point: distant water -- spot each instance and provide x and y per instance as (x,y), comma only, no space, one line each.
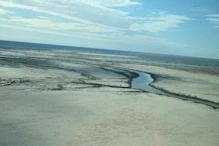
(140,58)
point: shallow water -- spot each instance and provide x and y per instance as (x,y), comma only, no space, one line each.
(143,83)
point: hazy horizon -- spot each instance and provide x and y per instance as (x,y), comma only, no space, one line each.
(101,49)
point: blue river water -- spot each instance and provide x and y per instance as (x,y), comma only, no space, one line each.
(143,83)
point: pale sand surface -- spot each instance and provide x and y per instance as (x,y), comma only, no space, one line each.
(93,117)
(44,105)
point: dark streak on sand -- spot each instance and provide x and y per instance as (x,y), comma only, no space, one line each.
(127,74)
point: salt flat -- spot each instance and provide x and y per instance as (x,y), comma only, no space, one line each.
(62,98)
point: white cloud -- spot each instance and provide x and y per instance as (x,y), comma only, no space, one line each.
(40,9)
(45,22)
(199,9)
(110,3)
(212,15)
(214,19)
(4,12)
(3,19)
(86,35)
(89,12)
(100,14)
(159,23)
(92,20)
(136,19)
(111,41)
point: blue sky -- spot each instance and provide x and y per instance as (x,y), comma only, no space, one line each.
(188,27)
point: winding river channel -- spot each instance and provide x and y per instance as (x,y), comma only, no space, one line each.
(143,81)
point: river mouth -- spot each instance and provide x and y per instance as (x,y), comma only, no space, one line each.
(142,82)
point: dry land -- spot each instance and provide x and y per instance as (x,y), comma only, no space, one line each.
(72,98)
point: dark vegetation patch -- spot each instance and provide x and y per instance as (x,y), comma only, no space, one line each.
(9,82)
(98,85)
(26,61)
(59,87)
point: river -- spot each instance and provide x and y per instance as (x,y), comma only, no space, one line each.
(142,82)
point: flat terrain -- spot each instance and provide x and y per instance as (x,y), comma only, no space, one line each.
(72,98)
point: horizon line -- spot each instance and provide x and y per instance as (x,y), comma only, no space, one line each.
(62,45)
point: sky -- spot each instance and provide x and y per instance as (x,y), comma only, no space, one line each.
(176,27)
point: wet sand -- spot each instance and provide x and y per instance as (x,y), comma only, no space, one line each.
(61,98)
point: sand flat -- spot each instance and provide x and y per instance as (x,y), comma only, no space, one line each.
(103,118)
(90,105)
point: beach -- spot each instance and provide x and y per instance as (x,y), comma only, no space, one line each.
(68,97)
